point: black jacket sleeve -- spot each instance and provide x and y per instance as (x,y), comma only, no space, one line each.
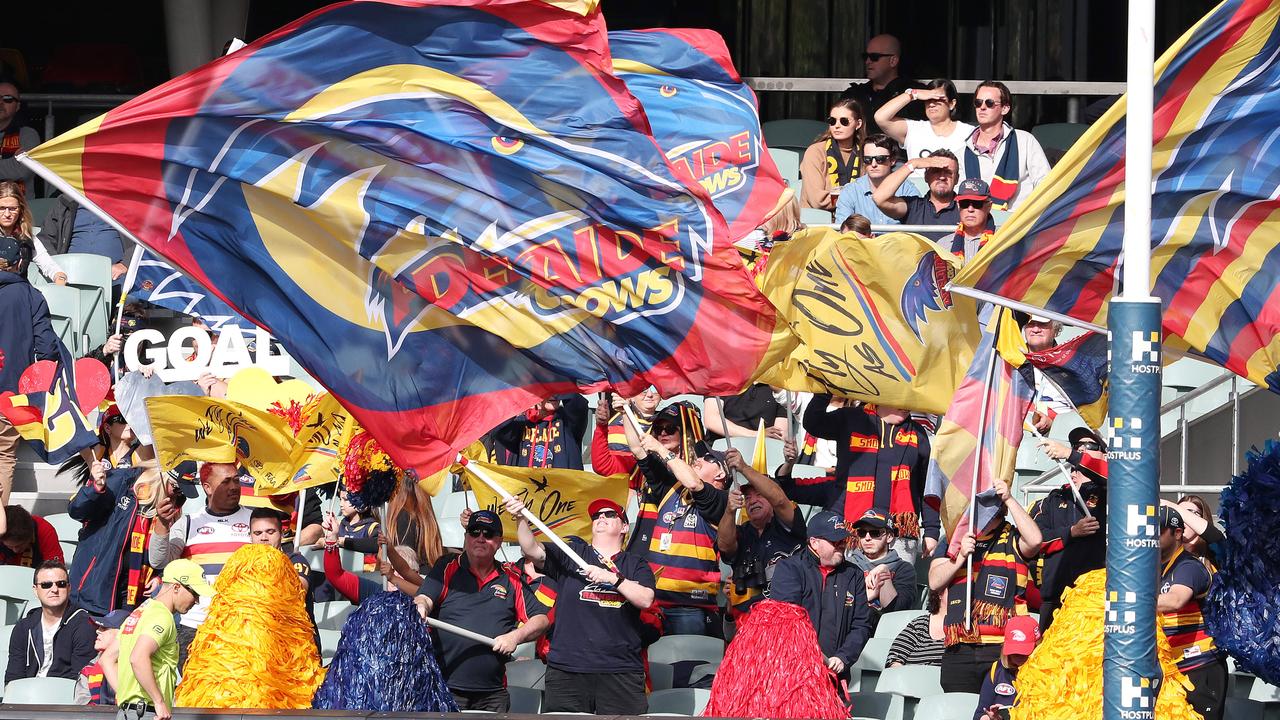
(904,582)
(822,424)
(859,628)
(17,667)
(44,342)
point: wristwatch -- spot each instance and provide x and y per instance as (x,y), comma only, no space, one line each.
(670,456)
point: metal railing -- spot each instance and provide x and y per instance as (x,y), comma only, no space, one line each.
(52,101)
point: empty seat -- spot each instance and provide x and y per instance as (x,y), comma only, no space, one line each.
(526,674)
(661,676)
(672,649)
(874,654)
(787,161)
(526,701)
(876,705)
(684,701)
(947,706)
(332,615)
(40,691)
(68,528)
(329,643)
(914,681)
(891,623)
(16,583)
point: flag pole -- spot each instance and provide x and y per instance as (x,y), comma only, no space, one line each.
(977,467)
(1065,471)
(460,631)
(130,277)
(533,519)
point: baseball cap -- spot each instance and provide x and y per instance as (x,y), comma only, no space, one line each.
(1082,433)
(1039,319)
(605,504)
(111,620)
(184,476)
(485,520)
(828,526)
(1021,633)
(973,189)
(10,250)
(877,519)
(1170,518)
(186,572)
(705,452)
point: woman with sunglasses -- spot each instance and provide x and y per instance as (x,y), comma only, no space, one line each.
(15,222)
(1010,161)
(832,161)
(941,129)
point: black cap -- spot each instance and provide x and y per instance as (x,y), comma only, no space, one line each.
(184,476)
(486,520)
(10,250)
(876,519)
(1169,518)
(705,452)
(828,526)
(1082,433)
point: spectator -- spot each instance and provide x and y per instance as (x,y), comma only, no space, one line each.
(857,224)
(1073,541)
(879,153)
(149,653)
(1000,555)
(743,413)
(973,198)
(55,639)
(830,589)
(882,460)
(1041,334)
(920,641)
(610,454)
(832,161)
(475,592)
(681,505)
(1202,536)
(773,530)
(266,527)
(882,58)
(357,588)
(940,129)
(1010,161)
(358,529)
(999,691)
(110,568)
(411,520)
(207,537)
(29,540)
(70,228)
(15,139)
(937,208)
(97,682)
(890,580)
(1184,583)
(26,335)
(117,445)
(594,665)
(15,222)
(547,435)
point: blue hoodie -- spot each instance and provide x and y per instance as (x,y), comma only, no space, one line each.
(26,333)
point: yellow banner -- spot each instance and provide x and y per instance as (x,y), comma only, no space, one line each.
(315,458)
(210,430)
(873,318)
(559,498)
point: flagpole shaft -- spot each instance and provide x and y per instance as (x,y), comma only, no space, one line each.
(460,631)
(791,414)
(62,185)
(1065,471)
(1139,91)
(973,483)
(533,519)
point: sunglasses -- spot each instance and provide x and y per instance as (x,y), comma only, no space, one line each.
(487,533)
(987,103)
(870,532)
(50,583)
(844,121)
(8,99)
(190,589)
(1088,446)
(606,514)
(875,57)
(665,430)
(971,204)
(877,159)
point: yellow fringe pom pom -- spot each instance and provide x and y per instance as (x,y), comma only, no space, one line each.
(1062,680)
(256,648)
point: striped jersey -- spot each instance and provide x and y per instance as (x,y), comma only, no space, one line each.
(1185,627)
(210,539)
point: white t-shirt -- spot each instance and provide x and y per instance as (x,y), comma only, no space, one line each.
(920,137)
(48,631)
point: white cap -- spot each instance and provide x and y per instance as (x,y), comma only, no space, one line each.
(1040,319)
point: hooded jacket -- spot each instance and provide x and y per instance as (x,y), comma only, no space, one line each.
(904,580)
(837,603)
(72,645)
(26,333)
(99,560)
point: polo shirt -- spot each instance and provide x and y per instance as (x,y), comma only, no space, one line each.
(156,622)
(856,198)
(998,689)
(596,629)
(491,605)
(920,211)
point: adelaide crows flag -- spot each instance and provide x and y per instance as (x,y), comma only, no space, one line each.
(1215,249)
(444,210)
(705,118)
(157,282)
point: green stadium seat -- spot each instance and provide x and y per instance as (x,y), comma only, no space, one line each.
(40,691)
(526,674)
(814,216)
(661,676)
(525,701)
(876,706)
(65,312)
(332,615)
(68,528)
(947,706)
(1058,136)
(684,701)
(874,654)
(329,643)
(788,162)
(92,275)
(892,623)
(672,649)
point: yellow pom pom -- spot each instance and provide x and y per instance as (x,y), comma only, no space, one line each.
(256,648)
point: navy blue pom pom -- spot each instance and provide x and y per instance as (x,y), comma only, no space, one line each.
(379,486)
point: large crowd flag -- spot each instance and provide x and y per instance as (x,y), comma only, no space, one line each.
(155,281)
(206,429)
(978,439)
(873,318)
(1215,259)
(560,498)
(1078,368)
(47,413)
(705,118)
(445,211)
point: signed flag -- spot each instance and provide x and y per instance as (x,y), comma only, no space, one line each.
(210,430)
(559,497)
(315,459)
(873,318)
(445,211)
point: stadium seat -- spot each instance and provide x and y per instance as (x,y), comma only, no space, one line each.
(40,691)
(1058,136)
(68,528)
(892,623)
(329,643)
(672,649)
(661,676)
(788,162)
(352,561)
(6,631)
(793,134)
(815,216)
(90,274)
(685,701)
(703,670)
(799,472)
(15,583)
(64,312)
(526,701)
(947,706)
(526,674)
(1243,709)
(1264,692)
(914,681)
(332,615)
(876,705)
(68,552)
(874,654)
(526,650)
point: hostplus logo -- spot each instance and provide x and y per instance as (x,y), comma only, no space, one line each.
(1138,698)
(1121,622)
(1144,354)
(1124,439)
(1140,526)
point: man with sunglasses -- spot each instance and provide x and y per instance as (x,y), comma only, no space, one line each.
(973,199)
(595,664)
(882,59)
(1010,161)
(890,580)
(879,155)
(820,580)
(474,591)
(148,671)
(14,139)
(937,208)
(55,639)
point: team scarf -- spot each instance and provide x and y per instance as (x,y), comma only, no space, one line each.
(618,437)
(957,242)
(872,483)
(11,144)
(138,572)
(1005,180)
(839,172)
(999,590)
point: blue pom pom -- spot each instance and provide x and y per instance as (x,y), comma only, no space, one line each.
(378,488)
(1244,598)
(385,662)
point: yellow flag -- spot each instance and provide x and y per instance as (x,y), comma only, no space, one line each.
(210,430)
(560,498)
(315,460)
(759,459)
(873,318)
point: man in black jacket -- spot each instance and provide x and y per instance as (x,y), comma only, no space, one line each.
(56,639)
(830,589)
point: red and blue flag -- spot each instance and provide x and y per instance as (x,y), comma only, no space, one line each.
(444,210)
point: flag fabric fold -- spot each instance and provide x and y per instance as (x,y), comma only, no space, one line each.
(206,429)
(560,498)
(159,283)
(1215,261)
